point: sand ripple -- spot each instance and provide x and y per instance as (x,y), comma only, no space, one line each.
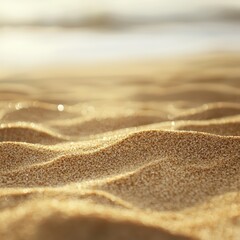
(154,158)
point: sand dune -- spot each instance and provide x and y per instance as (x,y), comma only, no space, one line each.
(151,156)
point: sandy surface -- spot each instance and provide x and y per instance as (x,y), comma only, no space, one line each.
(131,151)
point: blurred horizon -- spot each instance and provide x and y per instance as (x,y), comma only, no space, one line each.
(64,32)
(75,13)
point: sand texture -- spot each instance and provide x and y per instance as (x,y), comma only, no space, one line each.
(112,152)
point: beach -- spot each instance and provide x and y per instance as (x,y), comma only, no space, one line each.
(122,150)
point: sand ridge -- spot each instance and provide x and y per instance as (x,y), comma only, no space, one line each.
(155,155)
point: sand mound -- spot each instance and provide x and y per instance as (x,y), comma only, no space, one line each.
(151,156)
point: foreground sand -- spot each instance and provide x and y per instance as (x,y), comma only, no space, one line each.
(137,151)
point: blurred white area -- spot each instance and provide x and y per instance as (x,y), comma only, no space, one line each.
(29,48)
(35,33)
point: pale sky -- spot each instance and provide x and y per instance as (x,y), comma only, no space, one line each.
(26,11)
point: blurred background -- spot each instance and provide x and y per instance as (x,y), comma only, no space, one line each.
(37,33)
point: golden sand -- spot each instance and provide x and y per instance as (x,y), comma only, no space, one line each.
(138,151)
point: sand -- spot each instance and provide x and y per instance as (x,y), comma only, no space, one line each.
(147,150)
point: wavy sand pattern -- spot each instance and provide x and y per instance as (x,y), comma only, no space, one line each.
(155,155)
